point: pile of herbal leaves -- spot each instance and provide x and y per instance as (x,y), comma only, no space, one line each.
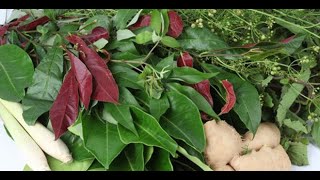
(129,89)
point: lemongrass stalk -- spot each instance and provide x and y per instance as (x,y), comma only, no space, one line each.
(36,159)
(42,135)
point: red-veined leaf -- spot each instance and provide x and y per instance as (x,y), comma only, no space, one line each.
(143,21)
(230,99)
(175,24)
(105,87)
(203,88)
(287,40)
(33,24)
(83,77)
(185,60)
(64,110)
(96,34)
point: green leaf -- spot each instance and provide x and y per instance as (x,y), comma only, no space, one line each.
(191,151)
(122,17)
(166,21)
(126,77)
(155,22)
(201,39)
(293,45)
(76,127)
(124,34)
(289,96)
(101,139)
(298,153)
(131,159)
(126,97)
(96,166)
(95,21)
(182,121)
(190,75)
(149,130)
(296,29)
(147,153)
(160,161)
(101,43)
(196,98)
(46,84)
(123,46)
(121,113)
(56,165)
(295,125)
(155,37)
(144,37)
(267,99)
(76,146)
(159,106)
(316,132)
(266,81)
(16,71)
(135,18)
(168,63)
(170,42)
(247,105)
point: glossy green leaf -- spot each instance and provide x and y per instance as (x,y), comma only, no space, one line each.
(126,97)
(147,153)
(195,96)
(190,75)
(46,84)
(170,42)
(200,39)
(149,130)
(166,21)
(122,17)
(95,21)
(16,71)
(293,45)
(76,146)
(135,18)
(121,113)
(124,34)
(160,161)
(290,96)
(101,139)
(144,37)
(159,106)
(182,121)
(155,22)
(298,153)
(247,106)
(126,77)
(295,125)
(131,159)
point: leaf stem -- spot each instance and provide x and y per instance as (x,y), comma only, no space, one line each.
(194,159)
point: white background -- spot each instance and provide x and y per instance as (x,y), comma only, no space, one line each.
(11,159)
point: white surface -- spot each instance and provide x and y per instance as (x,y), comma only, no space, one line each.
(11,159)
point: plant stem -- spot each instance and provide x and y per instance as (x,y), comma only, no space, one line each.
(194,159)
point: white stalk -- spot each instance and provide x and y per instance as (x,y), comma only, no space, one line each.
(42,136)
(36,159)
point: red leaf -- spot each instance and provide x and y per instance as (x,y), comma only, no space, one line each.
(287,40)
(175,24)
(3,41)
(83,77)
(96,34)
(19,20)
(32,25)
(143,21)
(203,88)
(230,99)
(105,87)
(185,60)
(205,116)
(65,108)
(3,30)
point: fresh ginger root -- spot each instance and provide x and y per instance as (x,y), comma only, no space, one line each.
(267,134)
(224,147)
(223,143)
